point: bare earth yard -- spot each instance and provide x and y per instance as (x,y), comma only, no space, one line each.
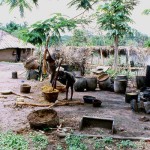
(14,118)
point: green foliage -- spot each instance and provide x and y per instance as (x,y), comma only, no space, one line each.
(147,43)
(114,17)
(75,143)
(21,4)
(99,145)
(146,12)
(59,147)
(13,27)
(39,141)
(11,141)
(111,72)
(79,38)
(126,144)
(85,4)
(51,28)
(108,140)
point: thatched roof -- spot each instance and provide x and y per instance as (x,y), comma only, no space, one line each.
(9,41)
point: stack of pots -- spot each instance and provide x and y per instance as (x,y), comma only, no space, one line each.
(88,83)
(104,81)
(120,84)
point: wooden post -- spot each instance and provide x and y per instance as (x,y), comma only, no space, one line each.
(102,57)
(128,60)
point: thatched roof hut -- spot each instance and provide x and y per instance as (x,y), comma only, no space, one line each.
(13,49)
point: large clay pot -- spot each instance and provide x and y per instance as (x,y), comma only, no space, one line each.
(104,82)
(140,81)
(91,83)
(130,96)
(80,84)
(122,77)
(120,86)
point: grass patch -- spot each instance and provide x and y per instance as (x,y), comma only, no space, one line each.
(73,142)
(126,144)
(12,141)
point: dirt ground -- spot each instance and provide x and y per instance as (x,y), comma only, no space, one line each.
(14,118)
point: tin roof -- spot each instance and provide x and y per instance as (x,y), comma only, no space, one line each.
(9,41)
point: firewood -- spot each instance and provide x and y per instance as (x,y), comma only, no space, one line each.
(33,104)
(58,103)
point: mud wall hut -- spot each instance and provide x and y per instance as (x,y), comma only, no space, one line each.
(13,49)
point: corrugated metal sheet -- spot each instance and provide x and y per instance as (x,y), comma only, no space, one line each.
(9,41)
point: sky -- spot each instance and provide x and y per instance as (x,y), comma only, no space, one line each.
(48,7)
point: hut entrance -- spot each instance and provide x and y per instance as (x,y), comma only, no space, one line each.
(18,54)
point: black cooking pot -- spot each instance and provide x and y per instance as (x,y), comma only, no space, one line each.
(88,99)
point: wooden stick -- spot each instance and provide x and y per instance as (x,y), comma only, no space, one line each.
(56,76)
(62,135)
(1,96)
(22,73)
(32,104)
(22,95)
(59,103)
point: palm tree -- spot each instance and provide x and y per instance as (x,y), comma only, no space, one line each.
(21,4)
(26,4)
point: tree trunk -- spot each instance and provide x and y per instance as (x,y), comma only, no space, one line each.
(116,53)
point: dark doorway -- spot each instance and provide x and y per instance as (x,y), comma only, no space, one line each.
(18,54)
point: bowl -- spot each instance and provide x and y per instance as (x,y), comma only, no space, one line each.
(97,103)
(51,97)
(88,99)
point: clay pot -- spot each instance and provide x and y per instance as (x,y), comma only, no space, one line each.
(131,96)
(91,83)
(104,82)
(88,99)
(14,75)
(120,86)
(25,88)
(122,77)
(80,84)
(140,81)
(51,97)
(96,103)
